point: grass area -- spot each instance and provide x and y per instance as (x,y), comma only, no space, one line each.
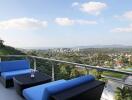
(6,50)
(112,74)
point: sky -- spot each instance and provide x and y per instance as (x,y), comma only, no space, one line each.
(65,23)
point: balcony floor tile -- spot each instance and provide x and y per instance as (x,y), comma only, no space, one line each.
(8,94)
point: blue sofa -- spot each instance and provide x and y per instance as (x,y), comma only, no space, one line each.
(66,89)
(9,69)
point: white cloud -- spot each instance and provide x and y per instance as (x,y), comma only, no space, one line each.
(92,7)
(75,4)
(123,29)
(22,23)
(66,21)
(85,22)
(128,15)
(125,16)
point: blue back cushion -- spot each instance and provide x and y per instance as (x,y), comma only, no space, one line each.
(0,68)
(6,66)
(67,85)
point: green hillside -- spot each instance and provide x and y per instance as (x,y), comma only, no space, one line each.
(7,50)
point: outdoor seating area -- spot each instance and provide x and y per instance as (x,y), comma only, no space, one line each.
(18,74)
(9,69)
(84,87)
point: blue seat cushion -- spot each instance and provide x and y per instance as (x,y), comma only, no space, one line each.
(36,92)
(11,74)
(6,66)
(50,90)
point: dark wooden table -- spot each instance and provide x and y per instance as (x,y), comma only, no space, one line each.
(25,81)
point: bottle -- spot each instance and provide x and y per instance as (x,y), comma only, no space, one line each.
(32,73)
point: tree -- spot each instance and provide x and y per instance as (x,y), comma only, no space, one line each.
(1,42)
(76,72)
(96,73)
(124,93)
(63,71)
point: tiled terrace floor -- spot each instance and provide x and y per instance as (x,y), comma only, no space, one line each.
(8,94)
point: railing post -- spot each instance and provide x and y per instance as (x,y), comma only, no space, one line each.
(34,64)
(26,57)
(53,71)
(86,69)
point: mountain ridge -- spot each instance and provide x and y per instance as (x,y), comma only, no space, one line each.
(81,47)
(106,46)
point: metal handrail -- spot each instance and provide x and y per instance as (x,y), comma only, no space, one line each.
(85,66)
(72,63)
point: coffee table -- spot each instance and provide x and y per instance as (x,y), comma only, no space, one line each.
(25,81)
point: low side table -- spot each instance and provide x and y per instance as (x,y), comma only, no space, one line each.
(25,81)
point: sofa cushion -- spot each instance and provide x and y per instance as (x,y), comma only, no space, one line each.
(0,70)
(81,79)
(6,66)
(11,74)
(0,67)
(36,92)
(50,90)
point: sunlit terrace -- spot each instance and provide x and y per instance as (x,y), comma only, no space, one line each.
(50,68)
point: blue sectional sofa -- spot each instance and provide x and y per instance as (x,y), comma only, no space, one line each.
(9,69)
(81,88)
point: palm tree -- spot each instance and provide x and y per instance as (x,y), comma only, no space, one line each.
(124,93)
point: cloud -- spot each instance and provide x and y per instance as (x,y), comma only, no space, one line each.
(22,23)
(75,4)
(64,21)
(67,22)
(123,29)
(85,22)
(127,16)
(93,8)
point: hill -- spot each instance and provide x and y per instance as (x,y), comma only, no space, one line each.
(7,50)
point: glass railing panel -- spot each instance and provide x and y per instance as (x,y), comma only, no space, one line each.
(117,85)
(41,65)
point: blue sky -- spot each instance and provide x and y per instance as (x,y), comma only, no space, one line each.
(60,23)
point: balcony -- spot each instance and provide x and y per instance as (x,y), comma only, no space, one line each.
(10,93)
(40,64)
